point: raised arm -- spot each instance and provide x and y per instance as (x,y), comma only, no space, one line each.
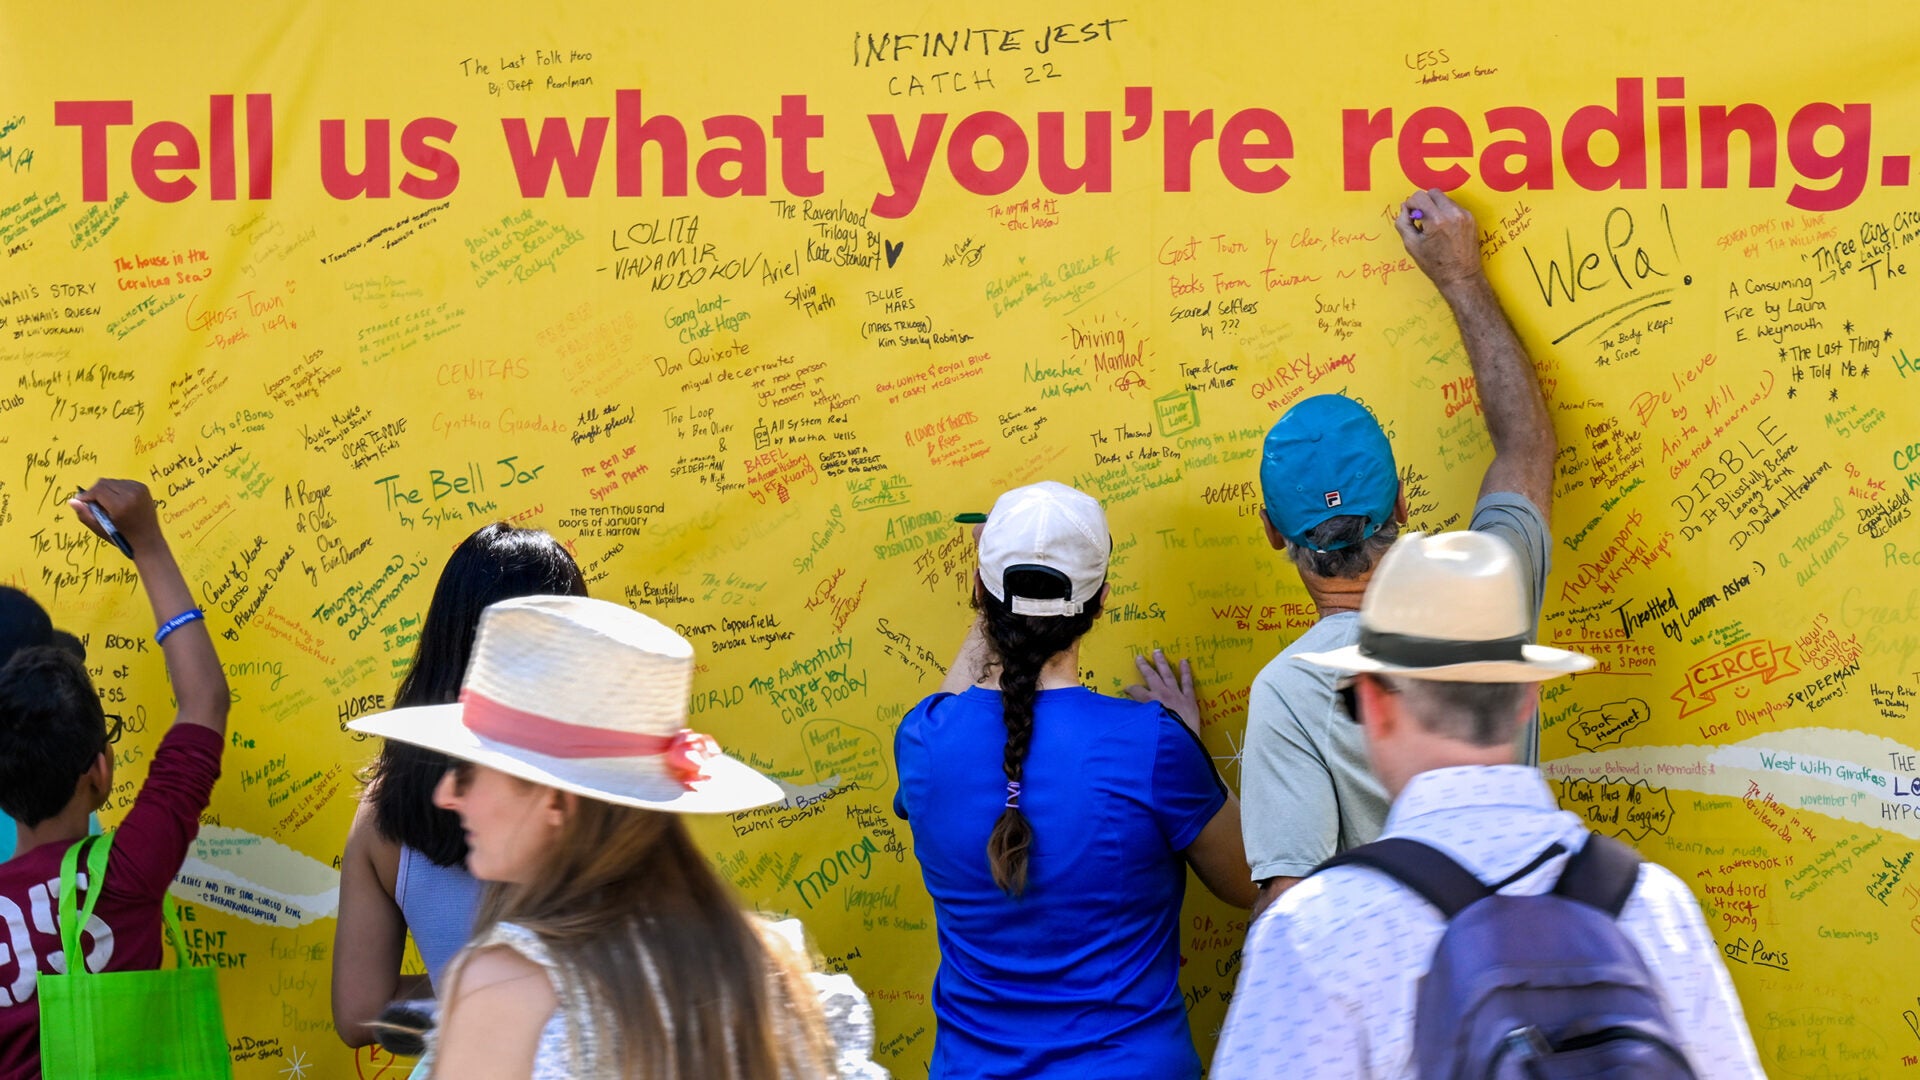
(1218,855)
(1446,246)
(970,662)
(199,683)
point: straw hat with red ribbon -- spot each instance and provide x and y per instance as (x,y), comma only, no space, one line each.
(588,697)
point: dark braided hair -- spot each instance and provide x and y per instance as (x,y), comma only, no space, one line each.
(1022,645)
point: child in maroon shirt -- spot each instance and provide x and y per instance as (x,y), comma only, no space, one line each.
(56,767)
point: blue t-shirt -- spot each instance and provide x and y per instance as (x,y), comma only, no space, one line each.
(1080,976)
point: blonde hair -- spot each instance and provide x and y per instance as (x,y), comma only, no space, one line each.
(678,979)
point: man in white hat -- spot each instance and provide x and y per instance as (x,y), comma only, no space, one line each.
(1443,678)
(1332,500)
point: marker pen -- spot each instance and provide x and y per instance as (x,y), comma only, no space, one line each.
(106,526)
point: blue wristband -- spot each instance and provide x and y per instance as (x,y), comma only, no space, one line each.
(192,614)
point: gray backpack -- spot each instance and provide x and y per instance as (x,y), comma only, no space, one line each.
(1539,987)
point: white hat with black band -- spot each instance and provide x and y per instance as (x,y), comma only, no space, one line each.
(1451,607)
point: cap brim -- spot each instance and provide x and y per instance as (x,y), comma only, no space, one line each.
(1540,663)
(730,786)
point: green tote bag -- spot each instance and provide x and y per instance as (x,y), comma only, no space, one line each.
(128,1025)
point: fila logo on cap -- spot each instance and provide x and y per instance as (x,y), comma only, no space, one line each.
(1333,498)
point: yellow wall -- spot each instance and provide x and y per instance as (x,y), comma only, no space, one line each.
(751,393)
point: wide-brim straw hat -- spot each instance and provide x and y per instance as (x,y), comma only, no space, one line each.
(584,696)
(1451,607)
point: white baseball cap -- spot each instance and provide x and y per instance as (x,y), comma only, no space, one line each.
(1042,535)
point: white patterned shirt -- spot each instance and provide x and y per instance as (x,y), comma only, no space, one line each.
(574,1045)
(1332,969)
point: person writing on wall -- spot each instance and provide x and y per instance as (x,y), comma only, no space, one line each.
(56,768)
(1333,503)
(1054,826)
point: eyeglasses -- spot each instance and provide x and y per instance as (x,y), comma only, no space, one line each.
(1348,690)
(115,726)
(1349,695)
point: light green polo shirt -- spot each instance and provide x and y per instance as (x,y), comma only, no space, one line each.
(1307,791)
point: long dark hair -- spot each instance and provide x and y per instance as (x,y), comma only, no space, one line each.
(1022,645)
(690,984)
(498,562)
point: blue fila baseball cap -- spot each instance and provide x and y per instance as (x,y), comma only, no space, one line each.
(1327,457)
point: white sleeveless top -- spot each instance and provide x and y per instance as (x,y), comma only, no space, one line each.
(570,1049)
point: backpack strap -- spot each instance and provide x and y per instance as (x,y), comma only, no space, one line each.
(1601,874)
(1438,879)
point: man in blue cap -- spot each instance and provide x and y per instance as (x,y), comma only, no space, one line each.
(1334,504)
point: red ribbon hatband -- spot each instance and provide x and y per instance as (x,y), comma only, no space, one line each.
(685,752)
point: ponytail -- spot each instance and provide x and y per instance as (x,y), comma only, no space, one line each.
(1022,645)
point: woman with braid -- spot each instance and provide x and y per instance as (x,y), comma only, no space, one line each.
(1054,825)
